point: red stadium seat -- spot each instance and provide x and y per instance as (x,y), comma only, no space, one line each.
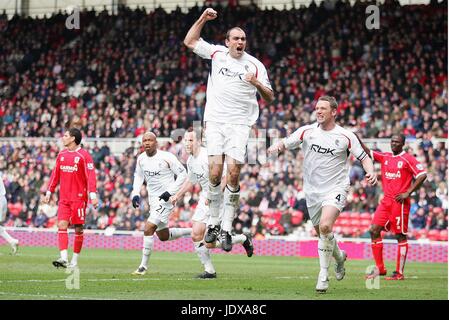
(345,215)
(346,231)
(366,216)
(433,235)
(422,234)
(443,235)
(354,215)
(344,222)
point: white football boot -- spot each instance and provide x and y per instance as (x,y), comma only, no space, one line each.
(340,267)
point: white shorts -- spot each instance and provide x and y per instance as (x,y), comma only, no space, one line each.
(159,213)
(202,212)
(3,207)
(228,139)
(335,199)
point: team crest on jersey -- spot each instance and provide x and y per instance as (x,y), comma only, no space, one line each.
(419,166)
(337,142)
(77,159)
(62,158)
(400,163)
(386,163)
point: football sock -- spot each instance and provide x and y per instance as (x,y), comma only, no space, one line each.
(63,242)
(336,253)
(402,256)
(78,243)
(176,233)
(215,198)
(204,255)
(74,259)
(6,236)
(325,249)
(231,202)
(377,247)
(148,243)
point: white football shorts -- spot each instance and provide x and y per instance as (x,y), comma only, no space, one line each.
(228,139)
(336,199)
(3,207)
(159,213)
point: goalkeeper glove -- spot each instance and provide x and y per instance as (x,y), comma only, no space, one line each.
(136,201)
(165,196)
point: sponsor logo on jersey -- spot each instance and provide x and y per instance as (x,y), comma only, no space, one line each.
(199,176)
(393,175)
(319,149)
(400,164)
(69,168)
(232,74)
(151,173)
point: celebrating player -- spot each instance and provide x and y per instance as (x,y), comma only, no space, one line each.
(326,148)
(14,243)
(398,170)
(197,168)
(75,172)
(158,169)
(231,109)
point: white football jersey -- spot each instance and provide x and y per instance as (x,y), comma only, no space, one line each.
(159,173)
(198,171)
(229,97)
(2,186)
(325,166)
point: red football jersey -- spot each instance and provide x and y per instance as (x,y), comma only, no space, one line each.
(397,171)
(75,172)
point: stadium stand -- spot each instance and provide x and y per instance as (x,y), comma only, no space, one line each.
(122,74)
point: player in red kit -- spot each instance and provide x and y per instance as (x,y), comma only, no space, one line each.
(75,172)
(398,171)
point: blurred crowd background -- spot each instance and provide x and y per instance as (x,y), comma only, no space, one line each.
(122,74)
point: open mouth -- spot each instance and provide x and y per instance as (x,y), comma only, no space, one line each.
(239,49)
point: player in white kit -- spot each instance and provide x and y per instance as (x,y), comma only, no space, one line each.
(231,109)
(14,243)
(158,169)
(326,148)
(198,172)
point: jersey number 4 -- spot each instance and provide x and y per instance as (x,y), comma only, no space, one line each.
(338,198)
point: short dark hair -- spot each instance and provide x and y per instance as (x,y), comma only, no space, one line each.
(332,101)
(400,135)
(197,132)
(228,33)
(74,132)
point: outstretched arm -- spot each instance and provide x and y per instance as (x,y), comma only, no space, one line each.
(193,35)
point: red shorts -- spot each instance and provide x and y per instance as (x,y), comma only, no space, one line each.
(392,215)
(72,211)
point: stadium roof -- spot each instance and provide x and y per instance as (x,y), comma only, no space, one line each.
(40,8)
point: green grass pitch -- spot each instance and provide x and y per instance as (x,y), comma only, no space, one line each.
(106,274)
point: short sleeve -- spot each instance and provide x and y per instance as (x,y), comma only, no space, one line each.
(377,156)
(263,77)
(191,176)
(296,138)
(206,50)
(416,167)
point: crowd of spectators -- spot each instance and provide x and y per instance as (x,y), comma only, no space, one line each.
(119,75)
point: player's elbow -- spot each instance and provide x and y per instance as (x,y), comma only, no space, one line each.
(189,43)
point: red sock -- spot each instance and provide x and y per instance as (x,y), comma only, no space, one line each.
(78,244)
(378,247)
(401,257)
(63,239)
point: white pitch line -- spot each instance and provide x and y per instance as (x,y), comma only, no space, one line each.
(48,296)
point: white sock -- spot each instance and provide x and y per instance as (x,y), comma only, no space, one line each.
(204,255)
(176,233)
(75,258)
(325,249)
(64,255)
(215,197)
(240,238)
(148,242)
(231,202)
(5,235)
(336,253)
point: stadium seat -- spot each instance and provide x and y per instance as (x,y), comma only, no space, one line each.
(345,215)
(354,215)
(365,216)
(345,222)
(433,235)
(346,231)
(443,235)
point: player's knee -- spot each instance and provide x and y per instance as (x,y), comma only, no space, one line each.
(375,231)
(325,228)
(215,179)
(62,225)
(196,237)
